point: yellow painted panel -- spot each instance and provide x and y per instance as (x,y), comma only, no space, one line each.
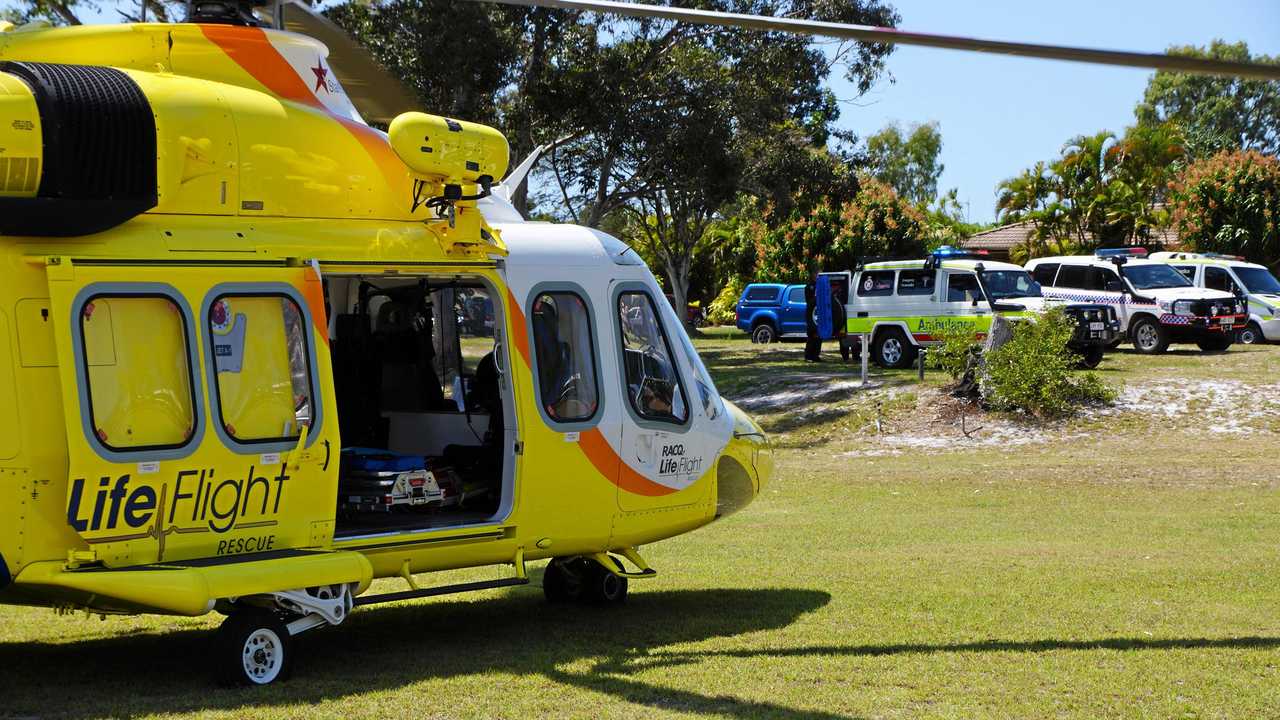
(139,375)
(10,439)
(35,333)
(261,361)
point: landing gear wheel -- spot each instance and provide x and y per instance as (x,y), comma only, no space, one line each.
(1091,356)
(601,587)
(253,647)
(1252,334)
(1215,344)
(763,334)
(1149,336)
(559,583)
(890,349)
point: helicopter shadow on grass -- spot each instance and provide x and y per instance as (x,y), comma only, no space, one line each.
(392,647)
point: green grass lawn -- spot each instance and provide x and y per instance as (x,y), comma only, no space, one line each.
(1117,565)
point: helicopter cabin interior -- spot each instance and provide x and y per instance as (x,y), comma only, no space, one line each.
(427,416)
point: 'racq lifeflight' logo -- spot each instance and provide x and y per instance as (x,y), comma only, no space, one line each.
(197,498)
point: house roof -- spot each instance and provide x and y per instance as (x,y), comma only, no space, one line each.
(1005,237)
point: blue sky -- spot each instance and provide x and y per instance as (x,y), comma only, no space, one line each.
(1000,114)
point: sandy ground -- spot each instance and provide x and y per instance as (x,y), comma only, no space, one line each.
(944,424)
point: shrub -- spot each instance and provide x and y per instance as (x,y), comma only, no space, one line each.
(723,310)
(954,354)
(1034,373)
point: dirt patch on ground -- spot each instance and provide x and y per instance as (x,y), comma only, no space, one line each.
(940,423)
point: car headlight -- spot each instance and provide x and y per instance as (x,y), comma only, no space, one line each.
(1182,307)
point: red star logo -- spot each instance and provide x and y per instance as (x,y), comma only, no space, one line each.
(322,73)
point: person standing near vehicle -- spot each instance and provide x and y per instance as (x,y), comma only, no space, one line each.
(813,341)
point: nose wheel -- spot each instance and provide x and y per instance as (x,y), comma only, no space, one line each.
(582,580)
(253,647)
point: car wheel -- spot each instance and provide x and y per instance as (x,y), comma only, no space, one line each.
(892,350)
(1252,334)
(1215,344)
(1149,336)
(1091,356)
(764,334)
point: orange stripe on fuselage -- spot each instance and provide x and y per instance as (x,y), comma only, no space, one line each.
(313,293)
(601,454)
(519,334)
(252,50)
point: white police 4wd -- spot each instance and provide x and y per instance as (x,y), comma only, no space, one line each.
(1232,274)
(1156,305)
(904,305)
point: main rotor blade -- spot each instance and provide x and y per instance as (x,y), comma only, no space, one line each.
(376,93)
(873,34)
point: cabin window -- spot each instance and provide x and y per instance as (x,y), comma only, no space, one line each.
(262,370)
(1218,279)
(1073,276)
(1188,271)
(963,287)
(915,282)
(564,353)
(653,384)
(138,370)
(876,282)
(1044,273)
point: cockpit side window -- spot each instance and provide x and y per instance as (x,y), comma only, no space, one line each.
(564,352)
(653,383)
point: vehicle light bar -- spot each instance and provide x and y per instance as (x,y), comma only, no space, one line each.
(1121,252)
(1224,256)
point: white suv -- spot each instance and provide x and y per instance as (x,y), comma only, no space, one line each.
(1156,304)
(1232,274)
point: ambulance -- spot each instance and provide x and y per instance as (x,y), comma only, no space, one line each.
(1232,274)
(905,305)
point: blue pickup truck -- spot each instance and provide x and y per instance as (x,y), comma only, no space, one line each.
(770,311)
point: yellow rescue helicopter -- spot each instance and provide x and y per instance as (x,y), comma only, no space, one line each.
(255,353)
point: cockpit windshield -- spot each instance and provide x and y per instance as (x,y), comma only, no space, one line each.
(1153,277)
(1007,284)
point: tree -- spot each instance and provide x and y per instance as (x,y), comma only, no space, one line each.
(874,223)
(664,122)
(907,162)
(1216,113)
(1102,190)
(1230,203)
(67,12)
